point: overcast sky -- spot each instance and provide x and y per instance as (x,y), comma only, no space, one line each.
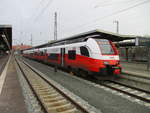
(36,17)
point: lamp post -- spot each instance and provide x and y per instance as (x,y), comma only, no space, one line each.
(117,26)
(55,26)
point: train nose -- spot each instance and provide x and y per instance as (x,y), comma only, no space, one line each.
(111,69)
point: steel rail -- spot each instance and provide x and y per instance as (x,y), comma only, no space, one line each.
(33,91)
(62,93)
(126,92)
(139,89)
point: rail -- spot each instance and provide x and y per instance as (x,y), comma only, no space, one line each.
(49,96)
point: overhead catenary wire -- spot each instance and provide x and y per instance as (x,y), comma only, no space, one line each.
(110,15)
(42,11)
(35,16)
(40,3)
(114,3)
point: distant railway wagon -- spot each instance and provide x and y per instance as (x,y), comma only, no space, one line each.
(98,56)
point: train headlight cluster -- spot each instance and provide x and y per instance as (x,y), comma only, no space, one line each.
(106,62)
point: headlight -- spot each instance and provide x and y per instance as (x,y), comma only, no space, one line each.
(106,63)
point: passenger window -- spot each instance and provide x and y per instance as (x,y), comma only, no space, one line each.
(42,53)
(45,51)
(72,54)
(84,51)
(53,56)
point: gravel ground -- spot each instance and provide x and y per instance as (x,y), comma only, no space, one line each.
(104,100)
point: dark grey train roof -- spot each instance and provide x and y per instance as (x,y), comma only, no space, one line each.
(90,34)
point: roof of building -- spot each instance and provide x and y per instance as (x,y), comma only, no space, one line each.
(5,26)
(101,34)
(6,37)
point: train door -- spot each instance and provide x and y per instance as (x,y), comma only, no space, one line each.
(62,56)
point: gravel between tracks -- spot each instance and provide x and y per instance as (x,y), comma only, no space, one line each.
(98,97)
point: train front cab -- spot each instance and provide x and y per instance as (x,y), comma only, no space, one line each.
(105,57)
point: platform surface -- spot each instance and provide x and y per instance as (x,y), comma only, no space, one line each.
(135,68)
(3,60)
(11,97)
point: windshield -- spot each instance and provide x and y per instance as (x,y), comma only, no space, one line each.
(105,46)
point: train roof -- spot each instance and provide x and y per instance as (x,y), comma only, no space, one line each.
(99,34)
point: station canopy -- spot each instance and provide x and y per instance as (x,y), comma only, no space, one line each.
(99,34)
(5,37)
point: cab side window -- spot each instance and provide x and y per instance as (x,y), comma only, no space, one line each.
(84,51)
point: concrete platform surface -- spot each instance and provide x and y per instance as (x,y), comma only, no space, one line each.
(3,61)
(134,68)
(11,97)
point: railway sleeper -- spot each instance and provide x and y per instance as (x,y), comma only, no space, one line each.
(60,108)
(58,102)
(50,95)
(52,99)
(47,91)
(43,88)
(74,110)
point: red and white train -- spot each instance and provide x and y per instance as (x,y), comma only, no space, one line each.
(93,55)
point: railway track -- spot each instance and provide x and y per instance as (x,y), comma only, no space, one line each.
(50,98)
(141,79)
(137,93)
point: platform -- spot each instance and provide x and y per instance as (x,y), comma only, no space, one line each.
(11,97)
(3,60)
(136,68)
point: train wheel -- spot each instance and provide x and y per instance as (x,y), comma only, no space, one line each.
(83,73)
(70,70)
(71,73)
